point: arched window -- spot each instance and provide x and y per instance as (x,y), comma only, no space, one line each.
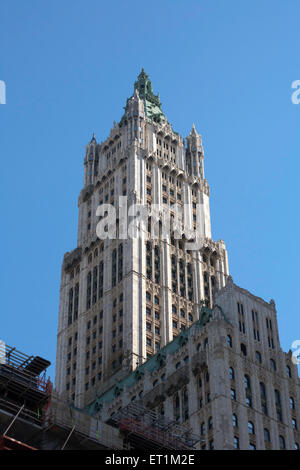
(248,391)
(296,446)
(234,421)
(281,442)
(292,403)
(247,382)
(258,356)
(236,442)
(205,342)
(176,407)
(262,390)
(267,435)
(278,405)
(263,398)
(243,349)
(231,373)
(250,427)
(202,429)
(210,423)
(273,364)
(288,371)
(229,341)
(294,424)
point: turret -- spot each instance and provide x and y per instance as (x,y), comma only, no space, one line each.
(195,154)
(91,161)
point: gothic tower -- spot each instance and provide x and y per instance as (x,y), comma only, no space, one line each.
(122,298)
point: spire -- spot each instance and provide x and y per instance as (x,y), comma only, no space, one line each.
(193,131)
(93,140)
(144,87)
(143,91)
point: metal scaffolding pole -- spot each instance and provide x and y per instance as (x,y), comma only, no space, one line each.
(16,417)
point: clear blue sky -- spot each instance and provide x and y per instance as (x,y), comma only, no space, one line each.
(69,66)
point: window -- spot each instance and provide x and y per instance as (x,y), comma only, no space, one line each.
(278,405)
(281,442)
(292,403)
(210,423)
(294,424)
(272,364)
(247,382)
(288,371)
(231,373)
(267,435)
(202,429)
(243,349)
(229,341)
(258,356)
(263,398)
(252,446)
(250,427)
(234,421)
(233,394)
(236,442)
(296,446)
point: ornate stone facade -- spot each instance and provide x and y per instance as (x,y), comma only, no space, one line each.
(123,299)
(147,319)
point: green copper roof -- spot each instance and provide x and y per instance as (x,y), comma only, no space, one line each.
(152,103)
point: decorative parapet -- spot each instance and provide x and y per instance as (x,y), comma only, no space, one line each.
(85,194)
(71,258)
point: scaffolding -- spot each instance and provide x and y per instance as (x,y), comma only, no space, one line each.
(23,380)
(24,392)
(8,443)
(148,430)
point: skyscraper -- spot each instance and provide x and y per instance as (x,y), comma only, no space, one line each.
(124,298)
(152,330)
